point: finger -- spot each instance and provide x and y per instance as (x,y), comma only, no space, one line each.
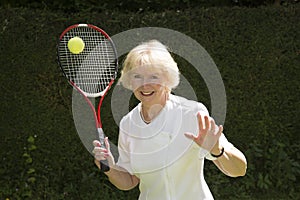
(99,157)
(107,143)
(220,130)
(97,150)
(200,122)
(106,155)
(206,122)
(96,143)
(212,125)
(190,136)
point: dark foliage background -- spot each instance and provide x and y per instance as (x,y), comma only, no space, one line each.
(256,50)
(138,5)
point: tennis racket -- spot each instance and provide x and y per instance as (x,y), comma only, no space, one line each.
(91,70)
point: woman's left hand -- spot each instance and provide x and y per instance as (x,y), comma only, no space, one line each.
(209,133)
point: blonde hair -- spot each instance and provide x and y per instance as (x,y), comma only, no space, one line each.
(152,54)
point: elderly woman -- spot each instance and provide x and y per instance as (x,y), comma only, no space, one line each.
(163,141)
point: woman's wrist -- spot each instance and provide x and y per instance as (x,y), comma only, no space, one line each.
(221,152)
(216,150)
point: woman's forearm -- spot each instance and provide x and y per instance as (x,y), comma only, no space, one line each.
(233,162)
(121,178)
(117,175)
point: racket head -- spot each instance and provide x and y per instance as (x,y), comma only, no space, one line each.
(93,70)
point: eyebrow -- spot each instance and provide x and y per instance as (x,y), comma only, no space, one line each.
(155,73)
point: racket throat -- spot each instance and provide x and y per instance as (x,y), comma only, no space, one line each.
(101,101)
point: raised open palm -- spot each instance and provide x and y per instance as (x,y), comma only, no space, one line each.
(208,134)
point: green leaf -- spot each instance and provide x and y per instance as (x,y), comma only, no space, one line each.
(32,147)
(28,160)
(30,171)
(26,155)
(30,139)
(31,179)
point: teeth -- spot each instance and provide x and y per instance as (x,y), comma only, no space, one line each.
(146,93)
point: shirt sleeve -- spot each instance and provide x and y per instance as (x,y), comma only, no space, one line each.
(203,153)
(224,143)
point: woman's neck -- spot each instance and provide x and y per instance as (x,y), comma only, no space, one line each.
(150,111)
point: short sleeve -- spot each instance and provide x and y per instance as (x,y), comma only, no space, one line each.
(202,109)
(224,143)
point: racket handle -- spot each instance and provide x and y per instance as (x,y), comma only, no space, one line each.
(104,167)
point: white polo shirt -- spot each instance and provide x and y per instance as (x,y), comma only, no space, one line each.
(169,165)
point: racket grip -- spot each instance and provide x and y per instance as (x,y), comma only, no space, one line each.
(104,167)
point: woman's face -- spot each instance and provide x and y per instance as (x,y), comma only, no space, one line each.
(148,85)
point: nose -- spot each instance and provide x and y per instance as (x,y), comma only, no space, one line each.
(145,84)
(145,81)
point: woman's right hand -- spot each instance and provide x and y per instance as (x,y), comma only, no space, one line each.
(102,153)
(208,134)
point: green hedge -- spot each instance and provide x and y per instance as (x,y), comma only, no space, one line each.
(256,50)
(138,5)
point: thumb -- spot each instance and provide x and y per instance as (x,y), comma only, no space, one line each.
(110,158)
(107,143)
(190,136)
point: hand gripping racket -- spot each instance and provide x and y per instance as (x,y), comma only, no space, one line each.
(91,68)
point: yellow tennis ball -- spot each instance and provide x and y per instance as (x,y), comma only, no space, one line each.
(76,45)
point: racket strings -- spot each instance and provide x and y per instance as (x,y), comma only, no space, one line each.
(94,68)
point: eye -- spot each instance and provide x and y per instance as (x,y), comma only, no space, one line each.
(154,77)
(137,76)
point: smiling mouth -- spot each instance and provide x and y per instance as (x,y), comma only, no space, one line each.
(147,93)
